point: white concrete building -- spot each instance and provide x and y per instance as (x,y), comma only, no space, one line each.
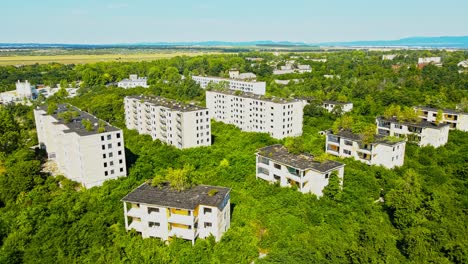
(233,84)
(290,68)
(89,154)
(463,64)
(389,57)
(276,164)
(253,113)
(437,61)
(456,119)
(180,125)
(133,81)
(330,106)
(423,133)
(235,74)
(25,90)
(48,92)
(162,212)
(381,151)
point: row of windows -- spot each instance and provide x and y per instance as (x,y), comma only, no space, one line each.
(109,146)
(201,141)
(109,136)
(112,172)
(111,163)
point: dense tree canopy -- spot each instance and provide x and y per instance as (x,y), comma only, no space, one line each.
(413,214)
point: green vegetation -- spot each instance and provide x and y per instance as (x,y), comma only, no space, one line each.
(413,214)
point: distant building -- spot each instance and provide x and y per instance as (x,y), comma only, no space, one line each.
(463,64)
(133,81)
(437,61)
(389,57)
(48,92)
(90,155)
(234,74)
(25,90)
(197,212)
(233,84)
(454,118)
(254,59)
(380,151)
(290,68)
(331,105)
(317,60)
(423,133)
(253,113)
(177,124)
(276,164)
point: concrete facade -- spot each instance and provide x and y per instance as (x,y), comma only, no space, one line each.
(233,84)
(252,113)
(423,133)
(180,125)
(190,214)
(330,106)
(455,119)
(133,81)
(276,164)
(380,152)
(86,156)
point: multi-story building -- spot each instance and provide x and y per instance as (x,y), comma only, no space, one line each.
(85,148)
(235,74)
(25,90)
(276,164)
(423,133)
(381,151)
(290,68)
(437,61)
(133,81)
(180,125)
(456,119)
(330,106)
(389,57)
(251,86)
(253,113)
(165,213)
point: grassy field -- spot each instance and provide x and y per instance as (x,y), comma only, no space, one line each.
(80,59)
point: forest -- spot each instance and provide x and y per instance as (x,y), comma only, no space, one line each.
(416,213)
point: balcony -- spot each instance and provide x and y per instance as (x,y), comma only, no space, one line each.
(413,129)
(333,149)
(184,233)
(384,124)
(137,225)
(135,212)
(333,139)
(450,117)
(383,132)
(181,219)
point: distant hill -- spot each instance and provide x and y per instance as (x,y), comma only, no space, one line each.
(423,42)
(426,42)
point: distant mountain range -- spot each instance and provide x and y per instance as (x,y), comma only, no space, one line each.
(422,42)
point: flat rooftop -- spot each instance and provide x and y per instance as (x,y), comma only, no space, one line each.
(303,161)
(75,125)
(169,103)
(421,123)
(448,111)
(336,102)
(228,79)
(379,139)
(187,199)
(273,99)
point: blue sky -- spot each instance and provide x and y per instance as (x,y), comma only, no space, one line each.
(111,21)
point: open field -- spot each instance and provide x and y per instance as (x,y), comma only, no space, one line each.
(80,59)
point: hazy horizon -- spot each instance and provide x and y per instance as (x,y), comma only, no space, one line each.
(139,21)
